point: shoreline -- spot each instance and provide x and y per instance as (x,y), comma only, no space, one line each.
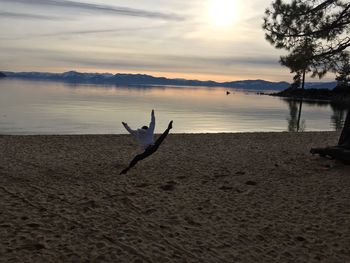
(229,197)
(157,134)
(339,97)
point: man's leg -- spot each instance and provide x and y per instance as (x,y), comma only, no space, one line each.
(163,136)
(134,161)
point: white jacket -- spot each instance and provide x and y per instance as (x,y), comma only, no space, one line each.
(145,137)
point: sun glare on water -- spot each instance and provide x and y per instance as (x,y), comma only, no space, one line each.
(223,12)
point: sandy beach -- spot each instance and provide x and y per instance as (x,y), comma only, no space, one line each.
(249,197)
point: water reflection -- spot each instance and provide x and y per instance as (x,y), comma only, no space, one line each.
(43,107)
(296,123)
(294,119)
(338,116)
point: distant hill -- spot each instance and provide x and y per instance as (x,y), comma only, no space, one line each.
(2,75)
(147,80)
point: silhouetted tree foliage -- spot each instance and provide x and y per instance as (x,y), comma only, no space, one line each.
(296,81)
(343,73)
(299,61)
(325,24)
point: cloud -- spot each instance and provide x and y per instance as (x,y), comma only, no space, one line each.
(121,31)
(93,31)
(114,31)
(163,62)
(26,16)
(223,61)
(89,7)
(147,60)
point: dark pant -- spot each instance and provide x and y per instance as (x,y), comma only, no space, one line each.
(149,151)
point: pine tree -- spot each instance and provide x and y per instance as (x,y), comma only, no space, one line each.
(325,26)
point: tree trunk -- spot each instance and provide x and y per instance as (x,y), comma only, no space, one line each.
(303,83)
(344,139)
(299,114)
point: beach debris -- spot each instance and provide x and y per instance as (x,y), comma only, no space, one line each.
(124,237)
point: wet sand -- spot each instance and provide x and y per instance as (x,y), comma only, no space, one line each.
(250,197)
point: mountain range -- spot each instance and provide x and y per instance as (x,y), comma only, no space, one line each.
(148,80)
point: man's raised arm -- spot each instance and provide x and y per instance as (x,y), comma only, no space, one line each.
(126,126)
(153,121)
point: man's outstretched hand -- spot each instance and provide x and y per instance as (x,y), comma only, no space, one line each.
(124,123)
(170,126)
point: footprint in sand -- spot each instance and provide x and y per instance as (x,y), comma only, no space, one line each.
(169,186)
(250,183)
(191,221)
(300,239)
(33,246)
(225,188)
(34,225)
(142,185)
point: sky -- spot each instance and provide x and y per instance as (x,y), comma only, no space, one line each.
(219,40)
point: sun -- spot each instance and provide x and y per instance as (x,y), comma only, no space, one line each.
(223,12)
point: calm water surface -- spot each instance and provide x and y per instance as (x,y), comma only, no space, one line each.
(42,107)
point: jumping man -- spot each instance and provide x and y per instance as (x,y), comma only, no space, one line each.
(145,138)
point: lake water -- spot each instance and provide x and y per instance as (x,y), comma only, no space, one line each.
(43,107)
